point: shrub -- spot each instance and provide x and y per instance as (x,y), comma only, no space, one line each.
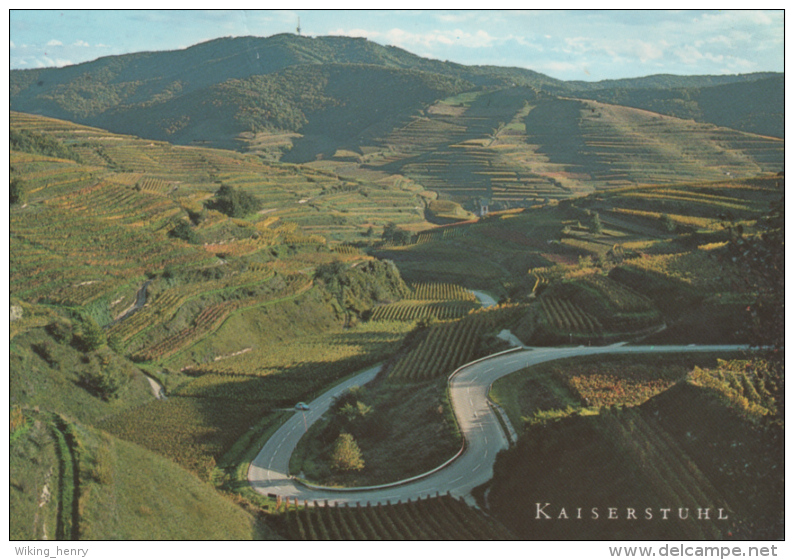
(102,469)
(182,230)
(667,223)
(104,382)
(17,191)
(393,234)
(116,343)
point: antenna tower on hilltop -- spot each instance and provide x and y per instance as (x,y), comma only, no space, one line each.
(299,25)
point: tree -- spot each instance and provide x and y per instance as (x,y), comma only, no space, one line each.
(17,191)
(105,382)
(595,225)
(234,203)
(667,223)
(182,230)
(346,455)
(393,234)
(352,412)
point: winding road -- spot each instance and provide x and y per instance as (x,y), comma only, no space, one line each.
(484,436)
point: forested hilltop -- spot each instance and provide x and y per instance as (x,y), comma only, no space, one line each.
(288,83)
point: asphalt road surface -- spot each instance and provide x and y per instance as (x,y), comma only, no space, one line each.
(484,436)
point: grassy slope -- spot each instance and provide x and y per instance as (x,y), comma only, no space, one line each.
(137,495)
(33,484)
(144,496)
(33,382)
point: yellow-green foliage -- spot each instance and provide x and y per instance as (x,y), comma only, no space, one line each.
(745,384)
(449,209)
(696,221)
(440,291)
(411,310)
(619,383)
(557,389)
(700,269)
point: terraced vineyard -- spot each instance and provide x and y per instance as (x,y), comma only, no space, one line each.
(112,214)
(697,206)
(210,319)
(590,308)
(524,152)
(623,146)
(440,234)
(439,291)
(565,316)
(676,476)
(437,518)
(85,257)
(184,298)
(412,310)
(330,207)
(669,429)
(472,153)
(448,345)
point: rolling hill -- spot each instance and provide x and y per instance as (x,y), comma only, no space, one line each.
(515,147)
(705,442)
(92,93)
(751,106)
(170,298)
(239,83)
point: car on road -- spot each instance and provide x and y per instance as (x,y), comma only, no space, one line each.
(301,406)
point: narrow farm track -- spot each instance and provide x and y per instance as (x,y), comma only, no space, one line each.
(483,435)
(137,305)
